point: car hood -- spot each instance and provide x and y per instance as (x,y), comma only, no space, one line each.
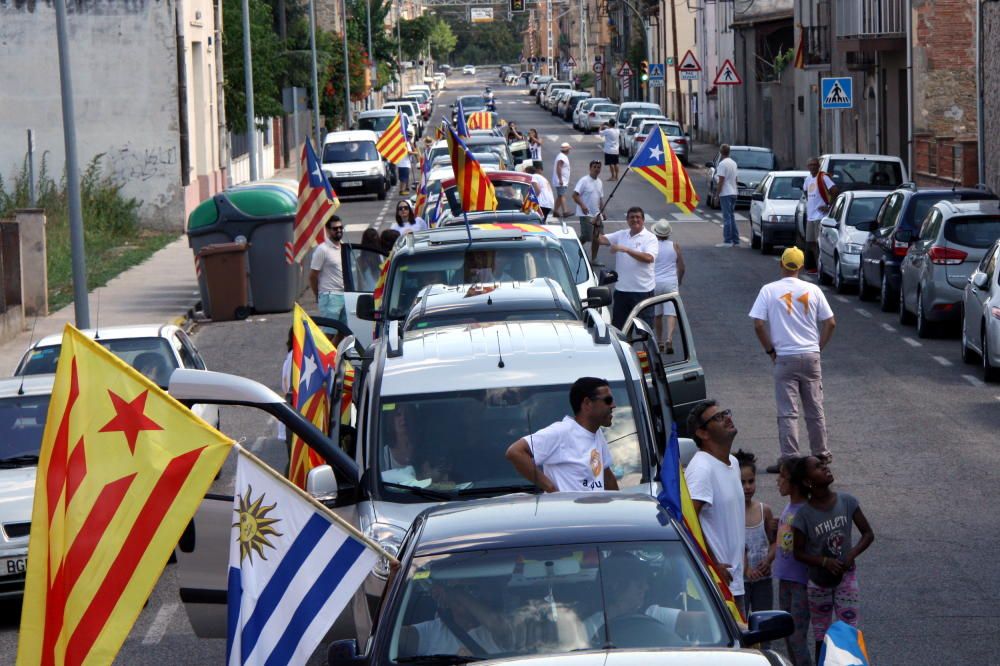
(654,657)
(855,236)
(751,175)
(17,493)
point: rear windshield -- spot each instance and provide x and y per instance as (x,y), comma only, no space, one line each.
(920,206)
(350,151)
(753,159)
(605,108)
(626,114)
(866,172)
(669,130)
(375,123)
(978,232)
(863,210)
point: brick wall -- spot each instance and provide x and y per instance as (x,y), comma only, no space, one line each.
(991,93)
(944,67)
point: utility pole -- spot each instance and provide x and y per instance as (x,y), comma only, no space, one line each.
(248,82)
(399,44)
(81,307)
(677,63)
(548,43)
(371,54)
(315,73)
(347,73)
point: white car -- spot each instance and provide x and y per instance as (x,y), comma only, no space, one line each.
(440,80)
(840,243)
(626,134)
(581,109)
(629,109)
(353,164)
(597,115)
(772,209)
(579,264)
(981,315)
(469,69)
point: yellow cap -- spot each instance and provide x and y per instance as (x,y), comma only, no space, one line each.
(793,259)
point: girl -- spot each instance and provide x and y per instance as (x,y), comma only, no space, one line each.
(761,531)
(823,542)
(792,575)
(669,272)
(406,221)
(535,146)
(513,134)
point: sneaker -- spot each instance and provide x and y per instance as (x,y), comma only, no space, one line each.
(723,245)
(734,244)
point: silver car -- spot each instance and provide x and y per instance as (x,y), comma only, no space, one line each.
(981,315)
(675,136)
(583,107)
(952,241)
(772,210)
(840,242)
(596,116)
(627,133)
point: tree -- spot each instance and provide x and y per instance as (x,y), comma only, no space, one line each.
(480,43)
(268,63)
(442,40)
(414,34)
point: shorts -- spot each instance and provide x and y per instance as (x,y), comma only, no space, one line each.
(611,159)
(332,306)
(561,190)
(665,308)
(586,228)
(812,231)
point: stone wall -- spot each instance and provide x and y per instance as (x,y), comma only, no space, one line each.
(990,63)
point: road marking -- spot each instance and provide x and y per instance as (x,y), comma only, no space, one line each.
(997,397)
(975,381)
(744,239)
(942,360)
(910,341)
(356,226)
(889,327)
(863,312)
(552,137)
(842,299)
(160,623)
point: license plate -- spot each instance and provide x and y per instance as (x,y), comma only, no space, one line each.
(11,566)
(351,183)
(746,193)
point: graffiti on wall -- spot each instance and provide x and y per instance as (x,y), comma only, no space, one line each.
(130,163)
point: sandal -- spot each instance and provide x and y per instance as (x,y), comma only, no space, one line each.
(662,347)
(670,347)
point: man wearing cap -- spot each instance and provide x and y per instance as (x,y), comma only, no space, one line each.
(560,179)
(794,322)
(635,251)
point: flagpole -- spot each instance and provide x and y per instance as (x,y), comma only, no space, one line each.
(608,200)
(351,529)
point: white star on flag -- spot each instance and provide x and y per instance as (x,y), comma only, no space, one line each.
(308,368)
(318,173)
(656,153)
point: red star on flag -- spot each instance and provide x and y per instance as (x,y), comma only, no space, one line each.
(129,418)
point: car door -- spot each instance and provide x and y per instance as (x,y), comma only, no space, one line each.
(828,235)
(757,206)
(914,267)
(361,267)
(882,237)
(190,358)
(977,299)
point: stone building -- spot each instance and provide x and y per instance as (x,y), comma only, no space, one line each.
(989,68)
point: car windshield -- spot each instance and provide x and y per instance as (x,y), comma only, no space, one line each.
(461,266)
(627,114)
(753,159)
(920,205)
(350,151)
(22,422)
(863,210)
(554,599)
(510,195)
(866,172)
(605,108)
(669,130)
(152,357)
(375,123)
(472,103)
(577,260)
(786,188)
(977,232)
(463,454)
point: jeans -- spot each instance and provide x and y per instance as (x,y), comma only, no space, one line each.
(623,303)
(730,233)
(793,598)
(799,377)
(331,305)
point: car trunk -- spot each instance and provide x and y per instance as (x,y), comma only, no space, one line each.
(971,236)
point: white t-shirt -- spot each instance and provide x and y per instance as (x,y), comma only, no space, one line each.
(666,263)
(666,615)
(814,200)
(571,456)
(610,136)
(436,638)
(591,191)
(792,309)
(635,275)
(561,158)
(723,518)
(418,225)
(727,169)
(545,197)
(326,260)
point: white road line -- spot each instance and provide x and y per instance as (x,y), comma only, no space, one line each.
(889,327)
(258,443)
(863,312)
(910,341)
(997,397)
(942,360)
(842,299)
(744,239)
(552,137)
(975,381)
(160,623)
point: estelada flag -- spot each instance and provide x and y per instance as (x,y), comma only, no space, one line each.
(475,191)
(656,162)
(122,469)
(313,360)
(392,144)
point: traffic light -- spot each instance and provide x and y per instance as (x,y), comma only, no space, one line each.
(644,71)
(517,5)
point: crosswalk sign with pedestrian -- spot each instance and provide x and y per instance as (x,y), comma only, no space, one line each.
(655,70)
(836,92)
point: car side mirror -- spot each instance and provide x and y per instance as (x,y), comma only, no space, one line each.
(758,196)
(366,307)
(344,652)
(829,222)
(608,277)
(903,236)
(321,483)
(979,279)
(867,225)
(598,297)
(767,626)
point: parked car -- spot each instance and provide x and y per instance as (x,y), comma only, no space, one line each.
(953,239)
(752,164)
(598,115)
(626,133)
(628,109)
(440,80)
(553,92)
(550,87)
(423,100)
(468,103)
(568,104)
(881,251)
(772,210)
(353,164)
(494,144)
(981,315)
(546,582)
(840,241)
(469,69)
(583,107)
(410,108)
(538,81)
(676,137)
(378,120)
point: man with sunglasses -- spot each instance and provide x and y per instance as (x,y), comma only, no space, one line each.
(572,454)
(713,479)
(327,275)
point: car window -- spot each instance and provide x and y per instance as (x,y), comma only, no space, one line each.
(556,599)
(187,358)
(890,211)
(605,108)
(154,355)
(22,423)
(838,207)
(461,319)
(866,172)
(375,123)
(977,231)
(989,264)
(350,151)
(786,188)
(577,260)
(753,159)
(510,195)
(862,210)
(929,229)
(764,183)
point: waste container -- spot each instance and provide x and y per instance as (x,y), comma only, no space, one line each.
(263,214)
(224,270)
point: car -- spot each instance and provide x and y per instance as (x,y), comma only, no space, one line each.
(772,210)
(752,164)
(545,92)
(583,107)
(468,104)
(440,80)
(881,252)
(676,137)
(597,115)
(568,104)
(378,120)
(544,581)
(410,108)
(553,98)
(628,109)
(626,134)
(494,144)
(469,69)
(353,164)
(423,100)
(24,407)
(952,241)
(981,315)
(840,241)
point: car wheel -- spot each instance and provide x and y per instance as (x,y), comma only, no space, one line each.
(754,239)
(990,373)
(381,194)
(838,277)
(924,327)
(968,356)
(886,301)
(820,271)
(765,247)
(864,291)
(904,316)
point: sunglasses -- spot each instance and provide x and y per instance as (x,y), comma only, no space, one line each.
(334,229)
(718,417)
(607,400)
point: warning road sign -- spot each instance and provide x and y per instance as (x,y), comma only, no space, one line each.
(837,93)
(689,63)
(728,75)
(625,71)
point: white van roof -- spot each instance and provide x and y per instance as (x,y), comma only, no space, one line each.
(350,135)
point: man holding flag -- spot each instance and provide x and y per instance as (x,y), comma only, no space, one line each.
(317,203)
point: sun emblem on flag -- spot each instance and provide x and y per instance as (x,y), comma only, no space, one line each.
(255,526)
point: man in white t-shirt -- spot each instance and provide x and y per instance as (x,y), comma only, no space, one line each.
(820,192)
(560,179)
(461,610)
(327,275)
(543,191)
(725,175)
(609,133)
(793,322)
(572,454)
(589,198)
(713,479)
(635,251)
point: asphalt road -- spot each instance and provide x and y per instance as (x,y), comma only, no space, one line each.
(913,430)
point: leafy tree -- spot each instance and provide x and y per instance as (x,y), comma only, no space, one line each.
(413,34)
(481,43)
(442,40)
(268,63)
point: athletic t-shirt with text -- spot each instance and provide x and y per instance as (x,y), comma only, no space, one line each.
(792,309)
(571,456)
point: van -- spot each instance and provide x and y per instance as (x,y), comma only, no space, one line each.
(353,164)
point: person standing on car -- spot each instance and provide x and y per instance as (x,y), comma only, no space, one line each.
(635,250)
(560,179)
(572,454)
(820,191)
(326,277)
(589,197)
(610,135)
(725,176)
(543,191)
(794,322)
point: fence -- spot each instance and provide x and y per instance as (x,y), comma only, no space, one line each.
(871,18)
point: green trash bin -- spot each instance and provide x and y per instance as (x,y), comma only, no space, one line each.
(263,214)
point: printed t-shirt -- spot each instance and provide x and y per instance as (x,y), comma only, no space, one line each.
(571,456)
(792,309)
(828,534)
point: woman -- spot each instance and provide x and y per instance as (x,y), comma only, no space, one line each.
(406,221)
(513,134)
(370,262)
(535,146)
(669,270)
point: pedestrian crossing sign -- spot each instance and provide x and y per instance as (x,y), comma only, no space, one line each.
(655,70)
(836,92)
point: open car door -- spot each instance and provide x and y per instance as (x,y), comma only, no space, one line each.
(361,269)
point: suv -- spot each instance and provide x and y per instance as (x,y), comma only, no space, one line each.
(551,87)
(626,111)
(952,241)
(882,251)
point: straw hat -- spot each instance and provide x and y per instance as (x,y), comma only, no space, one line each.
(662,229)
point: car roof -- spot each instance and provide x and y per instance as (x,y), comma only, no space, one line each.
(970,207)
(484,139)
(868,194)
(517,219)
(30,385)
(114,333)
(931,192)
(377,113)
(632,105)
(646,656)
(522,520)
(495,176)
(751,148)
(532,353)
(350,135)
(859,156)
(493,297)
(793,174)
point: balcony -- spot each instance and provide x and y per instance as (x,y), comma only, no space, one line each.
(870,25)
(817,45)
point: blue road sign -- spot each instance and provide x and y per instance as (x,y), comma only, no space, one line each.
(655,70)
(836,92)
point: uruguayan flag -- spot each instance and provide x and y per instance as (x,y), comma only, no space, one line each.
(843,645)
(292,569)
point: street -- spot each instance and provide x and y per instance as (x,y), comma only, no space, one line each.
(913,431)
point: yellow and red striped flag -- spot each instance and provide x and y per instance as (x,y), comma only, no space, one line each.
(656,162)
(392,145)
(800,50)
(317,203)
(480,120)
(314,359)
(475,191)
(383,272)
(122,469)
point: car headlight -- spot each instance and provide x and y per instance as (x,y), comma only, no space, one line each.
(390,537)
(852,248)
(779,219)
(374,171)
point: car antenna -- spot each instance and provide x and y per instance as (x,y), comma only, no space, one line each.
(499,352)
(31,341)
(97,321)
